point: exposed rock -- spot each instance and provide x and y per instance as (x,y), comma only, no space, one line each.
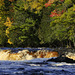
(62,59)
(66,52)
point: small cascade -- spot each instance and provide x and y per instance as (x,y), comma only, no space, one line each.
(26,54)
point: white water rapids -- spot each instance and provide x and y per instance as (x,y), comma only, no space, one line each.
(36,67)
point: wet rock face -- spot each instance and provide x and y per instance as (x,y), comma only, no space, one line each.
(62,59)
(67,52)
(70,53)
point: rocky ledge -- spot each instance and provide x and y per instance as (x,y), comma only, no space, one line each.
(62,59)
(66,52)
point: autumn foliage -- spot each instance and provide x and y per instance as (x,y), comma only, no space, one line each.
(37,23)
(49,3)
(54,12)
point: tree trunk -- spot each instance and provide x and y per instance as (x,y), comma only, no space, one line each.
(70,44)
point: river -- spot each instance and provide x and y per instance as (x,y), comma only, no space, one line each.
(35,66)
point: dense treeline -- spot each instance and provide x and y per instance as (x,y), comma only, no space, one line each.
(33,23)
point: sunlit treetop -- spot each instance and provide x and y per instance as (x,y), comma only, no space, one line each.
(49,3)
(59,9)
(33,5)
(8,22)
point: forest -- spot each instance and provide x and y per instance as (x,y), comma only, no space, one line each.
(37,23)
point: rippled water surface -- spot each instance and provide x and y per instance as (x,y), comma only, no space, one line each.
(35,66)
(31,68)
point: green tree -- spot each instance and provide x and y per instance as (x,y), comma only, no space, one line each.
(3,37)
(44,30)
(63,26)
(32,5)
(59,29)
(23,30)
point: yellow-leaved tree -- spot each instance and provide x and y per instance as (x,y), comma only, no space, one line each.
(8,23)
(32,5)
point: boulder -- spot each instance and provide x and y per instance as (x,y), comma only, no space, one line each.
(62,59)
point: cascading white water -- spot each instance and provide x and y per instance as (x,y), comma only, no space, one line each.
(26,55)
